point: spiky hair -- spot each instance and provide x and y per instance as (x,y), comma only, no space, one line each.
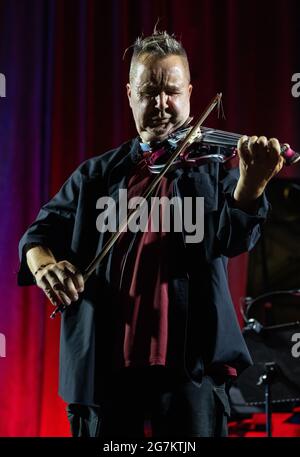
(160,44)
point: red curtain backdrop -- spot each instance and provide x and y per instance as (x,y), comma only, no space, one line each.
(65,101)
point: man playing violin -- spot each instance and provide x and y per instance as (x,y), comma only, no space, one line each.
(153,333)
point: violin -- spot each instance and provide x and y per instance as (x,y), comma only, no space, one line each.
(210,145)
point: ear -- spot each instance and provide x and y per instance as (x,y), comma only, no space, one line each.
(128,89)
(190,89)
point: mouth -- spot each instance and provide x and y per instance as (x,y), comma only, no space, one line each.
(160,122)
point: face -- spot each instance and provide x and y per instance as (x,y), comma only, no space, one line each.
(159,96)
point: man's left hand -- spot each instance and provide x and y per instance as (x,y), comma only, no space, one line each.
(260,160)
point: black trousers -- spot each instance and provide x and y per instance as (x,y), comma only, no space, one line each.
(175,406)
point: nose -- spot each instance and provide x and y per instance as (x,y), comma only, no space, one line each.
(161,101)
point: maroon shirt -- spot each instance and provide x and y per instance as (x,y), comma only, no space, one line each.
(143,273)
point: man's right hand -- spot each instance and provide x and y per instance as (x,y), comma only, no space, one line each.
(61,282)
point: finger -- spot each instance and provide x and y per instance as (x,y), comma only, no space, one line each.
(66,278)
(243,141)
(78,281)
(77,277)
(48,291)
(54,299)
(58,286)
(260,149)
(274,146)
(243,150)
(275,154)
(252,146)
(262,142)
(63,296)
(59,290)
(43,283)
(281,162)
(62,283)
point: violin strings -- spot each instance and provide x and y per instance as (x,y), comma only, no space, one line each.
(221,133)
(219,137)
(225,132)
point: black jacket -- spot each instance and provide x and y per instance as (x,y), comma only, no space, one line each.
(203,328)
